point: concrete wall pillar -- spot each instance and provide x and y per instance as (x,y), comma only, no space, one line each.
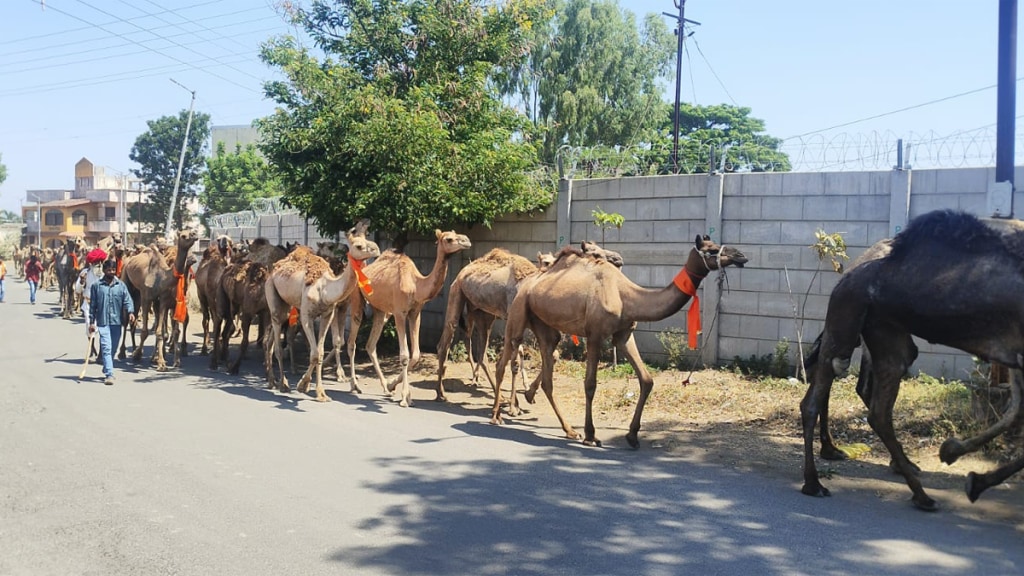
(899,204)
(563,226)
(712,295)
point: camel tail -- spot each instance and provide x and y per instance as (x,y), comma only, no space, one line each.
(812,356)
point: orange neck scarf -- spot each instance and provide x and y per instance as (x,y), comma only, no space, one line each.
(74,260)
(180,308)
(685,285)
(361,279)
(293,316)
(120,265)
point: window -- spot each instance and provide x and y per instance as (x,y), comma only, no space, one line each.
(54,218)
(110,213)
(78,218)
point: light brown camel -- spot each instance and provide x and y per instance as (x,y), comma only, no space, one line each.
(156,285)
(398,289)
(594,299)
(481,293)
(215,259)
(949,278)
(303,280)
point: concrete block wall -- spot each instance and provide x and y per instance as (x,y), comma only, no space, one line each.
(771,217)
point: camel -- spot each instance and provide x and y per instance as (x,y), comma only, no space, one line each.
(303,280)
(594,299)
(215,259)
(242,292)
(485,288)
(400,290)
(68,263)
(156,285)
(949,278)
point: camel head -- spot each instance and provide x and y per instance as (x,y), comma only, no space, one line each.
(594,251)
(545,260)
(331,249)
(186,238)
(715,256)
(225,246)
(450,242)
(359,248)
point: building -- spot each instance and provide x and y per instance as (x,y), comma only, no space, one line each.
(98,206)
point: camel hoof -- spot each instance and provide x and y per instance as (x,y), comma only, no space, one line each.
(951,450)
(594,442)
(530,396)
(496,420)
(324,398)
(816,490)
(632,440)
(440,398)
(925,503)
(833,453)
(161,368)
(973,491)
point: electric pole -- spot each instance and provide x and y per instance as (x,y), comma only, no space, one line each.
(181,163)
(680,36)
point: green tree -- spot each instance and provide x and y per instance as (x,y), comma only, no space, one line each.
(157,151)
(3,170)
(8,216)
(732,133)
(594,74)
(233,180)
(401,121)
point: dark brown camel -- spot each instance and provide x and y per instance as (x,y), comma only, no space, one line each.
(592,298)
(215,259)
(950,279)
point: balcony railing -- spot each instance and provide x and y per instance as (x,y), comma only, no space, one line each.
(104,226)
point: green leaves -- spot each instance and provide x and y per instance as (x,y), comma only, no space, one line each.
(399,121)
(233,180)
(157,151)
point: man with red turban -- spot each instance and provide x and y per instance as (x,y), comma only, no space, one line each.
(87,277)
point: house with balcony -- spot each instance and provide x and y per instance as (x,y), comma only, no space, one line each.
(98,206)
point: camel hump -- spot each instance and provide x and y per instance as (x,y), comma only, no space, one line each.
(948,228)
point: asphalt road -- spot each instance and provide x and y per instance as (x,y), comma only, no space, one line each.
(192,472)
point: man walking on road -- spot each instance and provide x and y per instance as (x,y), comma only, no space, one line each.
(3,276)
(33,269)
(109,302)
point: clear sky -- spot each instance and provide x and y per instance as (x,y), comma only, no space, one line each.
(80,78)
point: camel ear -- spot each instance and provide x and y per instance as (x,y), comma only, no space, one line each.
(707,238)
(438,233)
(361,227)
(698,241)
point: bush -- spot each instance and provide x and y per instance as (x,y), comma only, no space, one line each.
(774,365)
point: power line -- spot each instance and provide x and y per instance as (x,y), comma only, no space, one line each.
(904,109)
(141,45)
(713,73)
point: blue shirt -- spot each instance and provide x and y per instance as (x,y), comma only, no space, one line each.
(107,301)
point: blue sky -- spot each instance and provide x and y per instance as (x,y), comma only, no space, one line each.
(82,77)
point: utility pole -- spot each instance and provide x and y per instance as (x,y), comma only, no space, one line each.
(680,36)
(181,162)
(1000,193)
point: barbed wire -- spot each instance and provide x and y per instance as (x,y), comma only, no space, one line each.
(258,208)
(830,152)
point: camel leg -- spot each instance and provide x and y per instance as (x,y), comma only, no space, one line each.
(206,326)
(445,342)
(161,327)
(892,351)
(952,449)
(414,336)
(338,338)
(317,356)
(143,334)
(371,347)
(219,342)
(355,320)
(978,483)
(275,348)
(310,331)
(405,394)
(632,354)
(513,336)
(246,320)
(548,340)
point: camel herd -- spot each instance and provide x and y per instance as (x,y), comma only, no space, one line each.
(948,277)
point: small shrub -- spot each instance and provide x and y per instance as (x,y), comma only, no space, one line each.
(673,341)
(458,352)
(775,365)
